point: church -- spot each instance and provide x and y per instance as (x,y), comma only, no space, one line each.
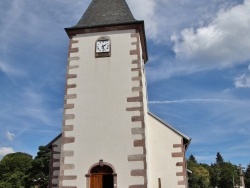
(109,138)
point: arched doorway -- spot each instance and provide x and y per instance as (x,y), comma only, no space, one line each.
(101,176)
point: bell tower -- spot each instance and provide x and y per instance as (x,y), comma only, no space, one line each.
(103,142)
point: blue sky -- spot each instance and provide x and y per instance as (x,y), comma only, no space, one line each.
(198,73)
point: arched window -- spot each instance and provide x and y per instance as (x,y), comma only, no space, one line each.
(101,175)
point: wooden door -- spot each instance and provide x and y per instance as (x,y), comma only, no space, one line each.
(96,181)
(101,177)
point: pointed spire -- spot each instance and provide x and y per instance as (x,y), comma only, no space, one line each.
(106,12)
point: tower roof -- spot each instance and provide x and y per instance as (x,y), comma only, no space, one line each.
(106,12)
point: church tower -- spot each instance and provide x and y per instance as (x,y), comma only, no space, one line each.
(109,139)
(103,136)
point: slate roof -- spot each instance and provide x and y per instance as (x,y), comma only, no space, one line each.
(106,12)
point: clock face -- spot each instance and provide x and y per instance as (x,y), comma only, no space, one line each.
(102,46)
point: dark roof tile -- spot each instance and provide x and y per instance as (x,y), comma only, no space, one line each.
(106,12)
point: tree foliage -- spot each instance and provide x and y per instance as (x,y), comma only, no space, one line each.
(219,159)
(228,173)
(221,174)
(200,174)
(19,170)
(39,172)
(13,169)
(192,159)
(247,176)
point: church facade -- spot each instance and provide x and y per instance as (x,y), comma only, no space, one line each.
(109,138)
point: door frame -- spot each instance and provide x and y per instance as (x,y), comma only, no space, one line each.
(88,175)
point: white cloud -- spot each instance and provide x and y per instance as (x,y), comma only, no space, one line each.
(5,150)
(10,135)
(224,42)
(39,16)
(13,14)
(33,105)
(148,13)
(164,17)
(189,100)
(10,70)
(242,81)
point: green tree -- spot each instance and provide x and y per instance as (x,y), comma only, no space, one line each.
(222,173)
(13,170)
(247,176)
(215,172)
(219,159)
(39,172)
(192,158)
(228,173)
(5,185)
(200,174)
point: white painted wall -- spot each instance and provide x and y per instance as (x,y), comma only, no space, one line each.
(102,127)
(161,164)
